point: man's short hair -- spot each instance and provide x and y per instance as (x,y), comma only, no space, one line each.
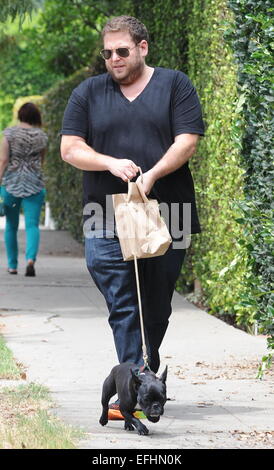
(136,29)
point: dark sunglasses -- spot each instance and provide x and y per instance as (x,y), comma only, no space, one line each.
(120,51)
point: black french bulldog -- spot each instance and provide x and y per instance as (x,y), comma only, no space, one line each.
(134,385)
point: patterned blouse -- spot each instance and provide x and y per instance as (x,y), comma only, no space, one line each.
(23,175)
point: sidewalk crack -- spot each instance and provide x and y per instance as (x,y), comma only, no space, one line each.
(49,320)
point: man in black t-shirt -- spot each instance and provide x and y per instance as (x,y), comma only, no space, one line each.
(133,116)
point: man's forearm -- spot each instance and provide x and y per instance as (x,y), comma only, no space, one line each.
(176,156)
(77,153)
(83,157)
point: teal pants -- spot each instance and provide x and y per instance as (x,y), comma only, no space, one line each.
(32,206)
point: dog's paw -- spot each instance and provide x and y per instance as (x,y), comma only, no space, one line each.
(103,421)
(129,426)
(143,430)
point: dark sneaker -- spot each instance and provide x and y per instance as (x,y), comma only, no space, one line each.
(12,271)
(30,271)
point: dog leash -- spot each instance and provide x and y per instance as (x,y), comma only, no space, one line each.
(144,348)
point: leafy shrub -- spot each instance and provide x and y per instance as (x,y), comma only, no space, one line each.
(63,182)
(216,172)
(22,72)
(251,37)
(165,21)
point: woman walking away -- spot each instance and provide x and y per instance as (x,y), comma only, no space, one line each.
(21,157)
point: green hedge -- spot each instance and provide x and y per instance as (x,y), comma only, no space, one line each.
(20,73)
(190,36)
(215,168)
(63,182)
(251,36)
(233,258)
(165,21)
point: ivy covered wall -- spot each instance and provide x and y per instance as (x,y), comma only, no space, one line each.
(216,167)
(251,36)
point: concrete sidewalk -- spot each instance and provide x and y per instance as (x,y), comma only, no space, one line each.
(56,325)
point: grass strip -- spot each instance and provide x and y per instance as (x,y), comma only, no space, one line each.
(8,367)
(25,422)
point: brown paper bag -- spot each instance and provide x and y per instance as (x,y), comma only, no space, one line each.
(141,230)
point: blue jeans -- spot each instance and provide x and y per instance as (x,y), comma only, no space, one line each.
(115,278)
(32,206)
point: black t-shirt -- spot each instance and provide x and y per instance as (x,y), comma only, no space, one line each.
(141,130)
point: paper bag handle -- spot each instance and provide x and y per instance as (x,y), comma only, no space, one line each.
(139,186)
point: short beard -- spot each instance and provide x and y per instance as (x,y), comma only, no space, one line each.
(132,75)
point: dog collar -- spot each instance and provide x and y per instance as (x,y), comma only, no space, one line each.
(142,370)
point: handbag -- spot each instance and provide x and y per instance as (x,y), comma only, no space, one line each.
(141,230)
(2,205)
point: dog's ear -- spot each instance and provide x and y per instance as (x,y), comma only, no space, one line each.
(135,375)
(164,376)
